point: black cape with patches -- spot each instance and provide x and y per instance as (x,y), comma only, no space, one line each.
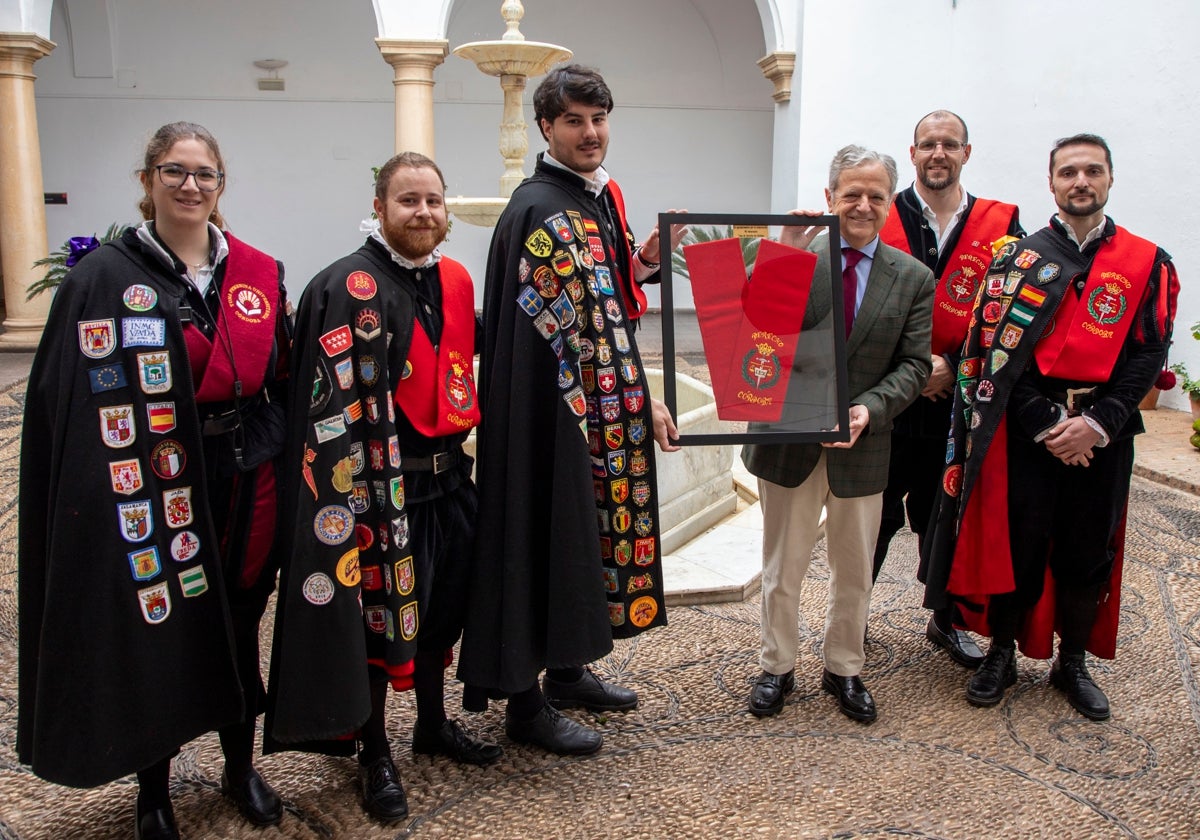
(542,596)
(319,692)
(103,692)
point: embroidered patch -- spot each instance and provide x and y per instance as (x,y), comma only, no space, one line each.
(97,338)
(560,228)
(154,372)
(144,564)
(405,577)
(177,504)
(116,426)
(249,304)
(408,621)
(168,459)
(616,614)
(318,589)
(643,611)
(333,524)
(344,370)
(184,546)
(193,582)
(143,332)
(347,568)
(126,476)
(539,243)
(361,286)
(1026,259)
(107,378)
(367,324)
(139,297)
(952,480)
(135,520)
(1048,272)
(155,602)
(330,428)
(161,417)
(337,340)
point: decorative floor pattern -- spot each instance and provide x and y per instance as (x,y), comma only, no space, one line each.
(692,762)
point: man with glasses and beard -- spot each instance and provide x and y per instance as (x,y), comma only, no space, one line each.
(1070,331)
(951,232)
(380,502)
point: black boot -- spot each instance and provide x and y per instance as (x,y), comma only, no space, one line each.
(1070,676)
(998,672)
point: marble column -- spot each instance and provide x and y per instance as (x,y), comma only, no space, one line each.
(414,63)
(22,202)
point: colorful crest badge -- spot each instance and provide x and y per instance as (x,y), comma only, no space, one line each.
(126,476)
(97,338)
(400,531)
(139,297)
(155,602)
(177,504)
(160,416)
(317,589)
(405,577)
(333,524)
(635,399)
(361,285)
(539,243)
(193,582)
(168,459)
(396,492)
(144,563)
(560,227)
(1026,259)
(610,407)
(408,621)
(367,324)
(368,370)
(116,426)
(347,570)
(622,552)
(135,520)
(337,340)
(359,499)
(322,389)
(530,301)
(637,428)
(375,618)
(154,372)
(345,373)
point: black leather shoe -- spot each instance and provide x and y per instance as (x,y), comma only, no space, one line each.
(853,698)
(590,692)
(766,698)
(255,799)
(1070,676)
(998,672)
(551,731)
(383,795)
(958,644)
(455,741)
(155,825)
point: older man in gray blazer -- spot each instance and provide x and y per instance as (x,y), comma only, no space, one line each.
(888,362)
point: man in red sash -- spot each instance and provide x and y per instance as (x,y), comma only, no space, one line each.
(380,503)
(570,552)
(951,231)
(1069,333)
(888,297)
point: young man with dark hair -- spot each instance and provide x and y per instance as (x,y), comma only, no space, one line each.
(569,552)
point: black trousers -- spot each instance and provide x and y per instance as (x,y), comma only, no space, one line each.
(1064,516)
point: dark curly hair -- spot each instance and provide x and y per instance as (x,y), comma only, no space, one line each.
(573,83)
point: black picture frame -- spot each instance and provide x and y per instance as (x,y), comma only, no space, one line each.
(787,430)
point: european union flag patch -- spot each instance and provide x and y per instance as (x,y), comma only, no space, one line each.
(107,377)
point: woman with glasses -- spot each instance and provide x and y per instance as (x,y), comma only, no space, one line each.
(147,497)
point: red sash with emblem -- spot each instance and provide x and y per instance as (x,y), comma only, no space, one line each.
(448,375)
(954,297)
(749,329)
(1089,328)
(246,315)
(631,291)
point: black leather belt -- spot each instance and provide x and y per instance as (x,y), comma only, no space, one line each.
(1076,399)
(436,463)
(222,418)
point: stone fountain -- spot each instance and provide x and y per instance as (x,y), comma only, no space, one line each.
(514,60)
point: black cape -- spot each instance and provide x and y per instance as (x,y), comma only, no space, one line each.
(557,570)
(115,671)
(348,589)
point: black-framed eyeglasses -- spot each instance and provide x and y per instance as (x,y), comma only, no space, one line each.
(173,175)
(948,146)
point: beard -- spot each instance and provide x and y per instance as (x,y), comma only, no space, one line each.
(932,183)
(1081,211)
(413,244)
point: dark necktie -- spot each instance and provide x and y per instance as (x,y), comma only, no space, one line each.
(850,258)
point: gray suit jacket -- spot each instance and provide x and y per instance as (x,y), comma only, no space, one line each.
(888,363)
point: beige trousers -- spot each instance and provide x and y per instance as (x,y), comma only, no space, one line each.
(791,518)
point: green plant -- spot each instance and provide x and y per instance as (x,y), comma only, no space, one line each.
(60,261)
(1190,386)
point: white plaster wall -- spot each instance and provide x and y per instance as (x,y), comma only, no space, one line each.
(692,126)
(1022,74)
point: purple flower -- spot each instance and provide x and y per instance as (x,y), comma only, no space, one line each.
(79,247)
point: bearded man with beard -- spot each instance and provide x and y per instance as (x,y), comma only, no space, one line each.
(380,505)
(1068,334)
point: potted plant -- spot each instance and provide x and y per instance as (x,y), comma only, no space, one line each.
(59,262)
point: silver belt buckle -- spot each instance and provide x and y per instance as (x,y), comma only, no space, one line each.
(442,461)
(1073,409)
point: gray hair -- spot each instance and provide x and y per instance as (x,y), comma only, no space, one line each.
(851,157)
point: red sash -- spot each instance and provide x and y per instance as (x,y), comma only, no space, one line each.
(749,330)
(954,297)
(631,290)
(436,392)
(246,316)
(1089,329)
